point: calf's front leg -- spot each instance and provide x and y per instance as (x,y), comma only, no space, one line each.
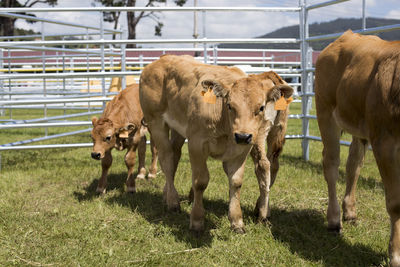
(105,166)
(234,169)
(200,179)
(142,158)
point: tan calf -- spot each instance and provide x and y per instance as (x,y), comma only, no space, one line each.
(223,113)
(358,91)
(121,127)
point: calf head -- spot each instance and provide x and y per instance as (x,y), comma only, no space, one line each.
(106,136)
(249,102)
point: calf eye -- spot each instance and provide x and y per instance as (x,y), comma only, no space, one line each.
(229,106)
(262,108)
(108,138)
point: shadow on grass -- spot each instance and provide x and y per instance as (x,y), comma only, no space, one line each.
(298,162)
(306,235)
(148,202)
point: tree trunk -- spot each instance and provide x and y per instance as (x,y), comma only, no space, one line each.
(131,23)
(7,26)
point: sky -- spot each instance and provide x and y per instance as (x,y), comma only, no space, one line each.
(179,25)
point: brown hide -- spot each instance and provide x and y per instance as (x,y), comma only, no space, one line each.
(357,89)
(120,127)
(172,94)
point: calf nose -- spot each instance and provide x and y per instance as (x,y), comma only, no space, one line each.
(243,138)
(96,155)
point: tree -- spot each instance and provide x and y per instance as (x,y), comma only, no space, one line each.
(7,24)
(135,17)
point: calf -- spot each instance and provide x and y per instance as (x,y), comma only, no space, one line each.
(224,114)
(357,89)
(120,126)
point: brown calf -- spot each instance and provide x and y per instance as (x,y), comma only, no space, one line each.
(121,127)
(358,90)
(223,113)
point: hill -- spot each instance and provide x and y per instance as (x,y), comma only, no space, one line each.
(334,26)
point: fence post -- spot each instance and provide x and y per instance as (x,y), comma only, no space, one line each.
(103,80)
(2,112)
(304,78)
(123,58)
(215,54)
(204,37)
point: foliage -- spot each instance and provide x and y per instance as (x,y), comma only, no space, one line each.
(51,216)
(133,17)
(7,24)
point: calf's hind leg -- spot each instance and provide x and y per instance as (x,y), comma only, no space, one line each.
(354,163)
(330,134)
(160,134)
(387,157)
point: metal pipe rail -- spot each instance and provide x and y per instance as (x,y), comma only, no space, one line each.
(150,9)
(68,75)
(19,16)
(45,125)
(78,145)
(53,101)
(155,41)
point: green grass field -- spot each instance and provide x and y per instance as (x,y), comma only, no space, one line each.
(51,216)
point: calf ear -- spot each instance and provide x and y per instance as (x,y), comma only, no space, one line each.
(280,90)
(94,120)
(218,88)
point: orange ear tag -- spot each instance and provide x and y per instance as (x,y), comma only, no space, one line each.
(281,104)
(209,96)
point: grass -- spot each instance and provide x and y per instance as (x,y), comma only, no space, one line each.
(51,216)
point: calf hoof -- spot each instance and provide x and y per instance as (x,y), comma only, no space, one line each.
(335,229)
(141,176)
(174,208)
(131,189)
(239,230)
(100,190)
(350,220)
(197,228)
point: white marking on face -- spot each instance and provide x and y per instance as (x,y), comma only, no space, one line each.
(270,112)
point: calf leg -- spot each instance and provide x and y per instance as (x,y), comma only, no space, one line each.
(200,179)
(330,134)
(130,159)
(142,158)
(105,166)
(234,169)
(160,134)
(388,159)
(154,158)
(262,170)
(354,163)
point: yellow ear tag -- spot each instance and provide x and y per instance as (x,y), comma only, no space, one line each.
(124,134)
(209,96)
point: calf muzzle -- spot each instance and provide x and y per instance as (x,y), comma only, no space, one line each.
(243,138)
(96,155)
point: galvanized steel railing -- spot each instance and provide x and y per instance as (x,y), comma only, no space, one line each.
(111,58)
